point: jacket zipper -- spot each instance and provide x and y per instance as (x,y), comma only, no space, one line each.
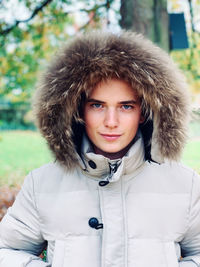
(113,169)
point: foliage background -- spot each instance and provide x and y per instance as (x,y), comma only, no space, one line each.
(30,37)
(28,43)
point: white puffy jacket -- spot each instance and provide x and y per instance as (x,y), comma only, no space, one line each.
(147,215)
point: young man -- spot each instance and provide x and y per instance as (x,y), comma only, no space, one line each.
(114,110)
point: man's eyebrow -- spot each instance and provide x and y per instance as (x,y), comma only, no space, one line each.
(95,100)
(128,102)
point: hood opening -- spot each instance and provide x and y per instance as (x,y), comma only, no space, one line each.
(90,58)
(78,130)
(147,130)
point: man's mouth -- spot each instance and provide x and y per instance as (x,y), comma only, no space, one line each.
(110,137)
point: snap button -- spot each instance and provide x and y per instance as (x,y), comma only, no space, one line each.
(92,164)
(94,223)
(103,183)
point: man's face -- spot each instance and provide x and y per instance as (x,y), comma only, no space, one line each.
(112,115)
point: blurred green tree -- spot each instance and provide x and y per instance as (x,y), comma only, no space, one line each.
(31,31)
(189,59)
(147,17)
(27,43)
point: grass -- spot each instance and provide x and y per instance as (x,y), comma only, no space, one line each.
(191,155)
(22,151)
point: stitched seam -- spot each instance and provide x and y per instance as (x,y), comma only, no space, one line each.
(104,226)
(165,253)
(190,204)
(124,224)
(35,204)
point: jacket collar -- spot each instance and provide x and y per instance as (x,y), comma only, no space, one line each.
(102,168)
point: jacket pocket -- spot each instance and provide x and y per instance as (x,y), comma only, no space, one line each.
(77,251)
(152,252)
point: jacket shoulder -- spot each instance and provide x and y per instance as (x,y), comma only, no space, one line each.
(48,169)
(50,177)
(172,168)
(174,175)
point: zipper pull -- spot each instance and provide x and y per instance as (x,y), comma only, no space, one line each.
(113,168)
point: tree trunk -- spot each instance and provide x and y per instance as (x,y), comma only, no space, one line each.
(148,17)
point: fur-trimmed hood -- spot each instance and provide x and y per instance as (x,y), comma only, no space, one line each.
(87,60)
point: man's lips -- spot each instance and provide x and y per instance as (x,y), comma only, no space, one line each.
(110,137)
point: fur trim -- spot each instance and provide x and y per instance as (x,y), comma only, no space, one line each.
(89,59)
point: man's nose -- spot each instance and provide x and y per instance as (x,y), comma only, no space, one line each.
(111,118)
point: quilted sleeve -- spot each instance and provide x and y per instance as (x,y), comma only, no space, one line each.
(21,240)
(190,245)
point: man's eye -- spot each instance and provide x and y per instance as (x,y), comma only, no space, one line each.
(127,107)
(96,105)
